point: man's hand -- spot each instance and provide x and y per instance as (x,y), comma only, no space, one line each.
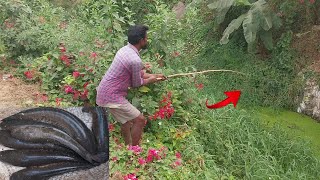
(148,65)
(160,77)
(152,78)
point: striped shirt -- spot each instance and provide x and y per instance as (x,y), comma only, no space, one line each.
(124,72)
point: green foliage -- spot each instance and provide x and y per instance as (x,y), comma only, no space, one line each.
(258,20)
(297,15)
(164,31)
(30,31)
(68,51)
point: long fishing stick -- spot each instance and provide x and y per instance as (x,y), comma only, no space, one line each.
(200,72)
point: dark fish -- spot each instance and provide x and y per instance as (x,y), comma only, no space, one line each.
(63,119)
(8,124)
(44,134)
(26,158)
(7,140)
(47,171)
(101,132)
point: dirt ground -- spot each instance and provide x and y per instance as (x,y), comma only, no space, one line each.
(15,94)
(307,45)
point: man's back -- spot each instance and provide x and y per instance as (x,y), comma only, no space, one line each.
(124,72)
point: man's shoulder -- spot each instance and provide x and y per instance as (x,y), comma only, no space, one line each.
(127,52)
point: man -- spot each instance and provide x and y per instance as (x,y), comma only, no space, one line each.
(124,72)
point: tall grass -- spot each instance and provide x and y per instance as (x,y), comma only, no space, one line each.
(237,145)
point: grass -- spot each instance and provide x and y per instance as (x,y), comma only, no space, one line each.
(242,147)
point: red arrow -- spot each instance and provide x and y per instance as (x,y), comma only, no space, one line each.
(233,97)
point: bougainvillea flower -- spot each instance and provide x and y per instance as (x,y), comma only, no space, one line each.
(178,162)
(75,74)
(58,101)
(199,86)
(44,97)
(130,177)
(178,155)
(136,149)
(62,49)
(114,158)
(93,55)
(142,161)
(111,127)
(85,85)
(68,89)
(176,54)
(76,94)
(84,94)
(65,59)
(28,74)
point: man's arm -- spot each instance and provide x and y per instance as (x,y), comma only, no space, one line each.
(140,77)
(137,79)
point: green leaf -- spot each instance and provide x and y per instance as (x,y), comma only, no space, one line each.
(250,28)
(243,2)
(144,89)
(222,7)
(117,26)
(55,55)
(136,102)
(266,37)
(234,25)
(59,68)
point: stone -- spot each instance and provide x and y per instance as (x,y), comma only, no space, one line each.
(179,9)
(310,104)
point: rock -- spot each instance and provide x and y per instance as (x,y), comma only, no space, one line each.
(179,9)
(310,104)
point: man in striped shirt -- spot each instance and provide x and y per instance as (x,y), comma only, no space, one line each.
(126,71)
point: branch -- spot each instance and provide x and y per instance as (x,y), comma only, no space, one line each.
(202,72)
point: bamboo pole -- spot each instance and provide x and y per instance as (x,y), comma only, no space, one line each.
(200,72)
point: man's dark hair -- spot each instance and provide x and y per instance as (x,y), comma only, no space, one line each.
(136,33)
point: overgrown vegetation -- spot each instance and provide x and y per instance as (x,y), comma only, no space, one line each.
(68,48)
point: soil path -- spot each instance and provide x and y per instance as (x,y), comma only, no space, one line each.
(15,94)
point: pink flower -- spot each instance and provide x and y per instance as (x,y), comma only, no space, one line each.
(76,94)
(111,127)
(62,49)
(312,1)
(178,162)
(84,94)
(93,55)
(44,97)
(65,59)
(176,54)
(199,86)
(142,161)
(28,74)
(68,89)
(114,158)
(178,155)
(149,158)
(130,177)
(301,1)
(136,149)
(58,101)
(153,152)
(85,85)
(75,74)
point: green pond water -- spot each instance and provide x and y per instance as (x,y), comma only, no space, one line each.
(297,125)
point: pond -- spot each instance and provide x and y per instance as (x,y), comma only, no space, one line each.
(295,124)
